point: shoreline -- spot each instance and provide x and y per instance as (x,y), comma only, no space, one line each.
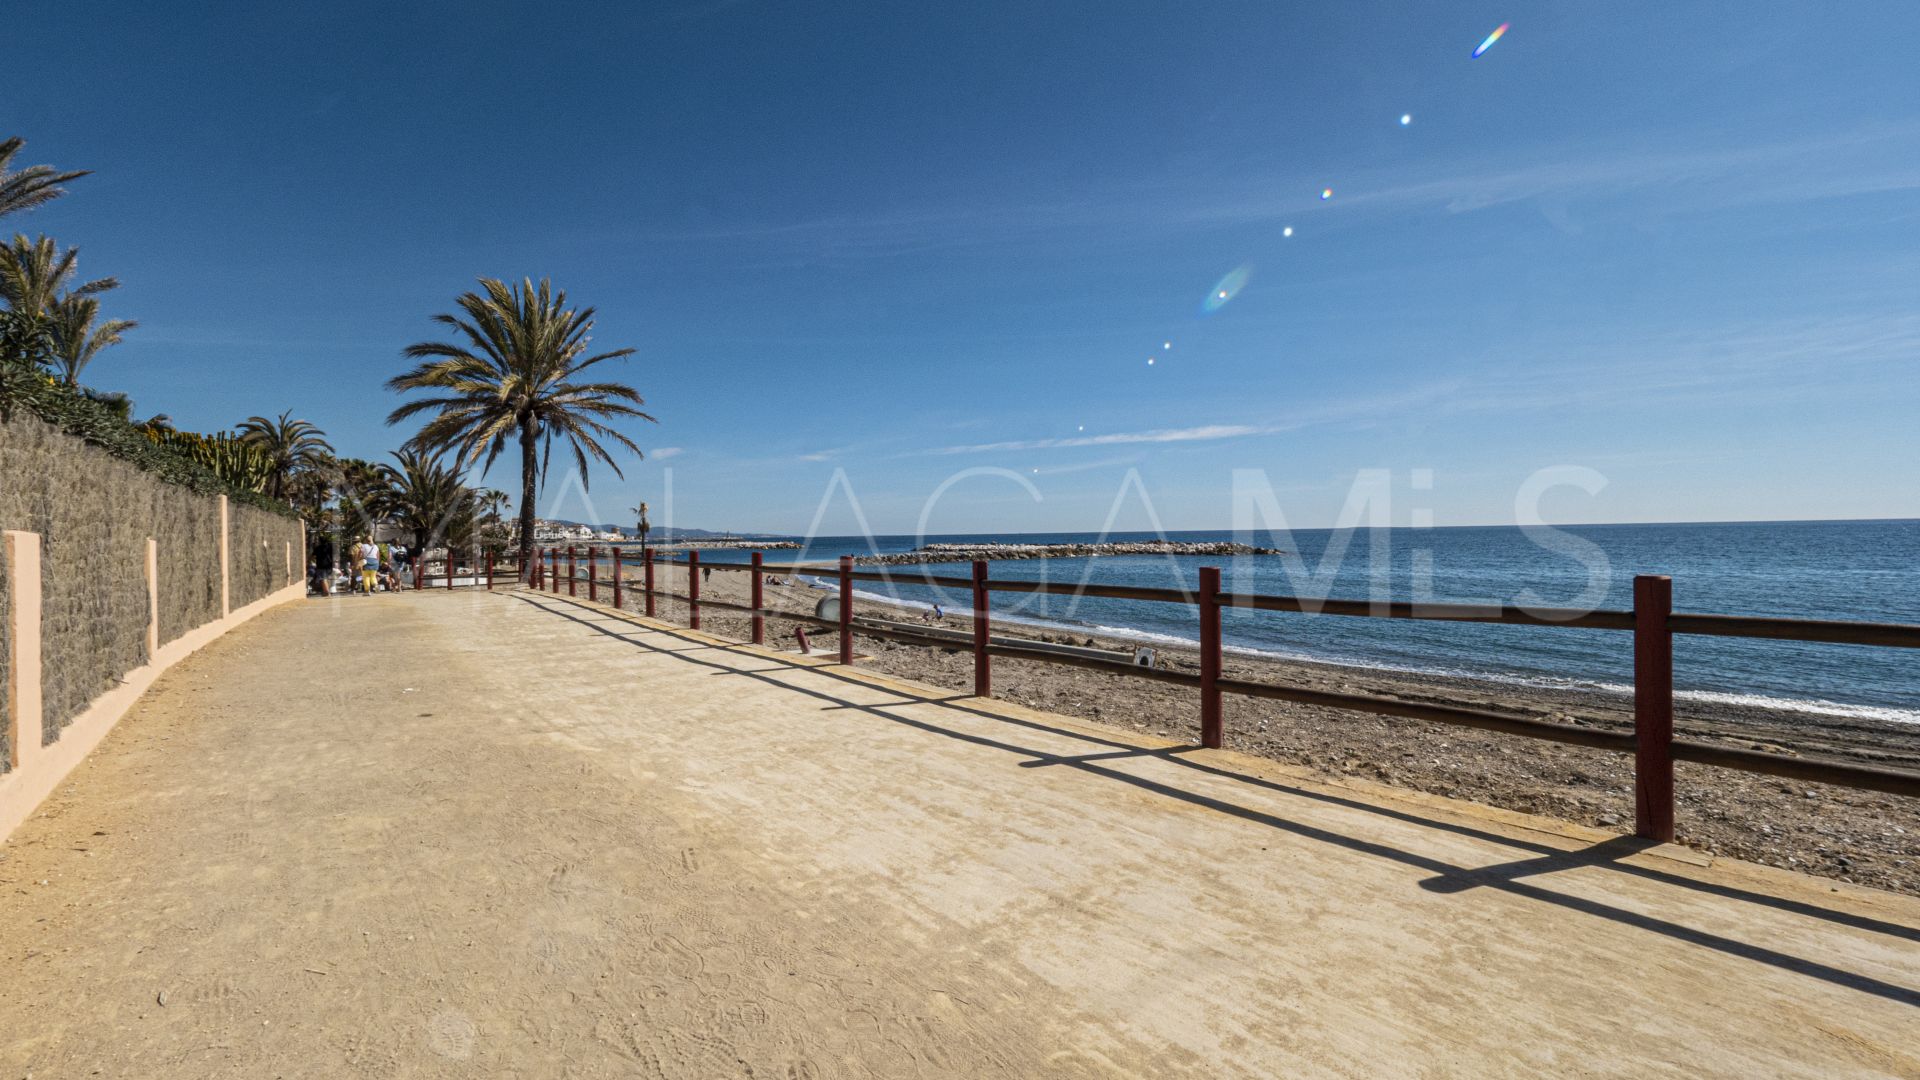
(1812,710)
(1861,837)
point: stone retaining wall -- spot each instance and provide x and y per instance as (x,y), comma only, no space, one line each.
(94,514)
(259,556)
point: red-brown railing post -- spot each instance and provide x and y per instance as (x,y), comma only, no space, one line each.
(646,578)
(759,620)
(693,589)
(846,609)
(982,633)
(616,577)
(573,572)
(593,573)
(1653,707)
(553,575)
(1212,733)
(449,566)
(420,569)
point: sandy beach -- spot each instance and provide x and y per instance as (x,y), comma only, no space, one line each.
(1854,836)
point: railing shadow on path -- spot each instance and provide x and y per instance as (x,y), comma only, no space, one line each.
(1447,878)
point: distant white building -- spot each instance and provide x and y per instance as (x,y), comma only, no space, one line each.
(554,532)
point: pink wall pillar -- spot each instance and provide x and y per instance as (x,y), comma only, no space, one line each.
(23,687)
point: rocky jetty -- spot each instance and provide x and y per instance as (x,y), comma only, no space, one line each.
(720,543)
(945,553)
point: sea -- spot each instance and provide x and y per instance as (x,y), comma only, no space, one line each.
(1856,570)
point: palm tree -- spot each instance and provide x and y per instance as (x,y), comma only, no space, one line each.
(642,526)
(76,340)
(31,186)
(513,377)
(35,275)
(492,501)
(294,446)
(426,497)
(360,492)
(25,337)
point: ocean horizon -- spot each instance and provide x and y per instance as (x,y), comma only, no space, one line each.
(1865,570)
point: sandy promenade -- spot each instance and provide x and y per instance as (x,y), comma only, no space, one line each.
(1851,836)
(470,834)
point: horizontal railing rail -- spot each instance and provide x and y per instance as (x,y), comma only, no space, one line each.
(1652,622)
(477,570)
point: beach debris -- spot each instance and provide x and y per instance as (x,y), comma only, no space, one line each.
(1488,44)
(1225,289)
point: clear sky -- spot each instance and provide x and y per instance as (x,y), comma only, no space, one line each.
(1677,244)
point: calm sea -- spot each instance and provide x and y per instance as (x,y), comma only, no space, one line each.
(1862,570)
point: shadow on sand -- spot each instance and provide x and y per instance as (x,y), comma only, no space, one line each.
(1545,859)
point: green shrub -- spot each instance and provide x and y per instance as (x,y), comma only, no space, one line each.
(24,386)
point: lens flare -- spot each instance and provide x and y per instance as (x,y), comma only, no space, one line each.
(1166,346)
(1288,231)
(1406,118)
(1225,289)
(1491,38)
(1149,361)
(1325,194)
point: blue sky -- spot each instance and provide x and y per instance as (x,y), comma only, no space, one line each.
(1676,244)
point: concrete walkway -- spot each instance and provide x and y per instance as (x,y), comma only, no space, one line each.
(510,835)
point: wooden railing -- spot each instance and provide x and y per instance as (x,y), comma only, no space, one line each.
(481,569)
(1652,622)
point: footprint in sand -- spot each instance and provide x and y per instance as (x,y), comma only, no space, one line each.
(451,1034)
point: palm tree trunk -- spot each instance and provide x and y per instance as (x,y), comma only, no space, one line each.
(529,472)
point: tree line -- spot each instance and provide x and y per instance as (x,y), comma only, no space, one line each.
(512,376)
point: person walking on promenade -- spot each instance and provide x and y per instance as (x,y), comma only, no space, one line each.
(369,565)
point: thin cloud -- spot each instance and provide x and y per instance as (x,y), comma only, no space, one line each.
(1206,433)
(1688,176)
(666,452)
